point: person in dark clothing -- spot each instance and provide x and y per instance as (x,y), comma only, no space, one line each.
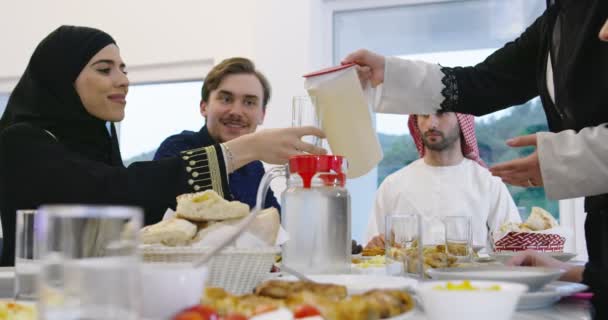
(234,100)
(58,143)
(559,58)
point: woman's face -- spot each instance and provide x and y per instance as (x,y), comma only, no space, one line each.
(103,85)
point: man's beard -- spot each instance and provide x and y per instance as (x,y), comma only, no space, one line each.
(445,143)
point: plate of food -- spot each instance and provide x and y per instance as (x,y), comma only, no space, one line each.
(360,283)
(376,265)
(11,310)
(278,300)
(534,277)
(504,256)
(549,294)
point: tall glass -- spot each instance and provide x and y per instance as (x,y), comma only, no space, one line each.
(403,235)
(458,235)
(305,112)
(90,262)
(26,256)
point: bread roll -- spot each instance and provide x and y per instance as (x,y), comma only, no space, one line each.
(170,232)
(540,220)
(208,205)
(510,227)
(265,226)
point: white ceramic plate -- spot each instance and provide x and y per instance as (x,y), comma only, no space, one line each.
(534,277)
(503,256)
(359,283)
(394,268)
(549,295)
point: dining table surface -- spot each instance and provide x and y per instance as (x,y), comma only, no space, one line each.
(570,309)
(567,308)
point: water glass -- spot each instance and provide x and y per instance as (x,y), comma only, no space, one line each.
(458,235)
(402,242)
(90,262)
(26,256)
(305,112)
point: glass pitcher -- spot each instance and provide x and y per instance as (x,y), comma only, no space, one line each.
(315,212)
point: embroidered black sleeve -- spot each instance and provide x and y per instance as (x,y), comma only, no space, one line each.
(450,92)
(206,169)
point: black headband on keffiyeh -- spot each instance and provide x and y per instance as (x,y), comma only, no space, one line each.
(46,97)
(468,141)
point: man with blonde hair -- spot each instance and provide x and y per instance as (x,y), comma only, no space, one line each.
(233,102)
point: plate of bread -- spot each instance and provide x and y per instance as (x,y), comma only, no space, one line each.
(202,218)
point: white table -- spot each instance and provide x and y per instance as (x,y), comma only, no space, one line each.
(566,309)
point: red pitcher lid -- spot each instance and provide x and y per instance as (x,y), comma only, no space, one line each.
(328,70)
(308,165)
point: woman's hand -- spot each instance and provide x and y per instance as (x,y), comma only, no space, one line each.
(371,66)
(538,259)
(523,172)
(273,146)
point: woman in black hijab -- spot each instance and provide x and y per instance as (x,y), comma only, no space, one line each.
(58,143)
(559,58)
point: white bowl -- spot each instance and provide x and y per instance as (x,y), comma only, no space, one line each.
(169,288)
(534,277)
(470,305)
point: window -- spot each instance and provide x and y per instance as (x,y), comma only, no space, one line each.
(457,32)
(3,101)
(155,112)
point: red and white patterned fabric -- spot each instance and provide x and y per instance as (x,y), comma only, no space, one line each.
(468,140)
(520,241)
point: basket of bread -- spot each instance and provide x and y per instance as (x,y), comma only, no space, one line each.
(539,232)
(202,220)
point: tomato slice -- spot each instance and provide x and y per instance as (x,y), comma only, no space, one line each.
(306,310)
(203,312)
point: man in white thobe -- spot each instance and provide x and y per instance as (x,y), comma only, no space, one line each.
(448,180)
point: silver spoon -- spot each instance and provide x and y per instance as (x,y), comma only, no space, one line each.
(261,194)
(296,274)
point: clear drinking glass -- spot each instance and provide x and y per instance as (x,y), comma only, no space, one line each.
(27,264)
(402,242)
(90,262)
(305,112)
(458,235)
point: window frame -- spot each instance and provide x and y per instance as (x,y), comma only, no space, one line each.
(571,211)
(181,71)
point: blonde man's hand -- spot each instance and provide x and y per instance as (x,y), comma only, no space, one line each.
(274,146)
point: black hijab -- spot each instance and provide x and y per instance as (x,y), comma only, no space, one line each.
(46,96)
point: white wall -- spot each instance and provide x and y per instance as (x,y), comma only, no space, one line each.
(276,34)
(285,38)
